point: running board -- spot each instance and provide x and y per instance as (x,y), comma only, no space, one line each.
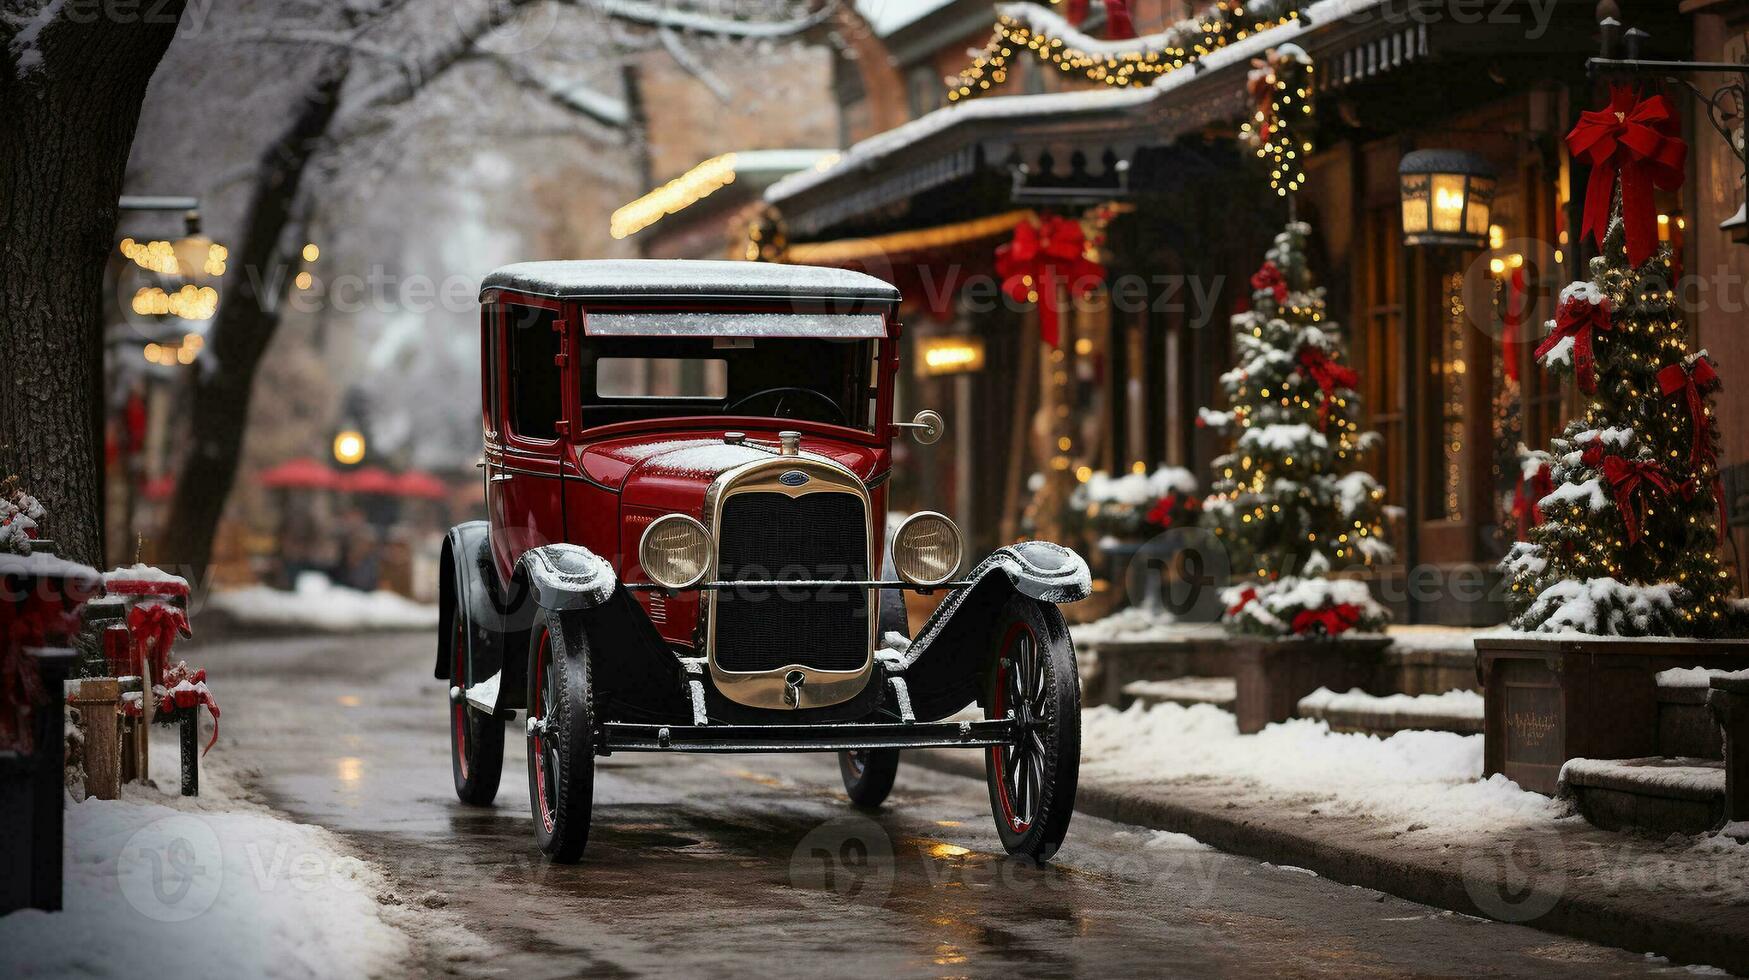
(619,736)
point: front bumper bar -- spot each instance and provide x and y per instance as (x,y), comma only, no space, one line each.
(619,736)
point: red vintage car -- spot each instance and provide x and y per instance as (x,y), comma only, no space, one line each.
(686,469)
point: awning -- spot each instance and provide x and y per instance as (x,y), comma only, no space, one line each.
(1351,40)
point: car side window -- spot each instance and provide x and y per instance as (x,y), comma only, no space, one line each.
(489,321)
(536,397)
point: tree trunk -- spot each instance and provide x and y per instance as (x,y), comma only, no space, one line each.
(249,313)
(70,120)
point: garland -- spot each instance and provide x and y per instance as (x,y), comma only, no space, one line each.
(1025,27)
(1280,87)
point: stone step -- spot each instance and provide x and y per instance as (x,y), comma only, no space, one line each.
(1662,794)
(1357,711)
(1186,691)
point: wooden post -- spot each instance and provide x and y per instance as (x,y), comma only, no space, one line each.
(1729,700)
(99,701)
(190,731)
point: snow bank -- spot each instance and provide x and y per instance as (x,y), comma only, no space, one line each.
(203,887)
(1451,704)
(1430,778)
(318,605)
(1694,676)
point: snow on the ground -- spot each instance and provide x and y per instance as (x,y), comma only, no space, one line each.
(1161,840)
(208,886)
(1132,624)
(1431,778)
(1207,690)
(1420,637)
(1451,704)
(1694,676)
(319,605)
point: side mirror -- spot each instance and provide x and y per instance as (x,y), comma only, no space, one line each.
(927,427)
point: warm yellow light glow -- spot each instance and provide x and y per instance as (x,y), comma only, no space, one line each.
(349,447)
(950,355)
(1496,236)
(682,192)
(311,252)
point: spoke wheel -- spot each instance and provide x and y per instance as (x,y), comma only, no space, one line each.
(476,739)
(561,739)
(1033,683)
(868,775)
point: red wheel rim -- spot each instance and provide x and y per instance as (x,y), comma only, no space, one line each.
(1020,693)
(545,768)
(458,679)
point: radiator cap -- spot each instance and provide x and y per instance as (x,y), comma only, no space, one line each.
(789,443)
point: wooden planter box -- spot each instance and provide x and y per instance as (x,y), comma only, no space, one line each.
(1201,651)
(1273,675)
(1554,699)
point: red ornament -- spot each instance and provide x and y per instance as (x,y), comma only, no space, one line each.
(1639,141)
(1039,256)
(1580,319)
(1328,375)
(1333,620)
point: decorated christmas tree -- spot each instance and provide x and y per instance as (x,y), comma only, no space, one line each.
(1628,536)
(1289,504)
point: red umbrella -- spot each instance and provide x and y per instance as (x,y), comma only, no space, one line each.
(302,472)
(418,483)
(370,479)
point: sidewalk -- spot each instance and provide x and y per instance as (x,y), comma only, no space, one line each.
(1408,815)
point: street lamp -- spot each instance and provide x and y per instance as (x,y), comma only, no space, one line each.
(1447,196)
(349,447)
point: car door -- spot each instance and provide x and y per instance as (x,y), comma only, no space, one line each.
(523,490)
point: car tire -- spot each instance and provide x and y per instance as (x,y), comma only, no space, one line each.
(476,738)
(868,775)
(561,740)
(1032,783)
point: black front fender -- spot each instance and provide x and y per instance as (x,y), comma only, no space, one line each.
(945,667)
(465,588)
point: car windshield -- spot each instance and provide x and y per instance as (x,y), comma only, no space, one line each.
(831,381)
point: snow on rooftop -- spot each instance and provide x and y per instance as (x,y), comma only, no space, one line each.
(888,17)
(686,278)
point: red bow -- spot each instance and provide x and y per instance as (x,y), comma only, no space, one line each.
(1694,381)
(1334,620)
(1246,598)
(1031,263)
(1630,480)
(153,627)
(1269,277)
(1638,140)
(1329,376)
(1075,11)
(1578,318)
(24,624)
(1525,511)
(183,690)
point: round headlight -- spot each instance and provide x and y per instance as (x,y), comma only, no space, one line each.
(675,551)
(927,549)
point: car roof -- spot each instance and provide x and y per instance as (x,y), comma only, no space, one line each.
(687,279)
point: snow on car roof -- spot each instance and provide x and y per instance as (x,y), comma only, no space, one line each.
(687,279)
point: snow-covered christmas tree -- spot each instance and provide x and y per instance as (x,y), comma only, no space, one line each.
(1289,503)
(1628,539)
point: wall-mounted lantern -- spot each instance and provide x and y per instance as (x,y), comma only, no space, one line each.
(1447,198)
(952,354)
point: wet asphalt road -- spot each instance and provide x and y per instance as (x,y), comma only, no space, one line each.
(755,865)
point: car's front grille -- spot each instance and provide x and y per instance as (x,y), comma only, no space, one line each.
(764,535)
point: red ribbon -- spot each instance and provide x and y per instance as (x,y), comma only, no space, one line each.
(1075,11)
(153,627)
(1636,140)
(1268,276)
(1246,598)
(1329,376)
(1334,620)
(25,624)
(1513,323)
(183,691)
(1036,257)
(1694,381)
(1525,512)
(1118,25)
(1580,319)
(1631,481)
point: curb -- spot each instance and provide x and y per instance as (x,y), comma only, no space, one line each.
(1671,928)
